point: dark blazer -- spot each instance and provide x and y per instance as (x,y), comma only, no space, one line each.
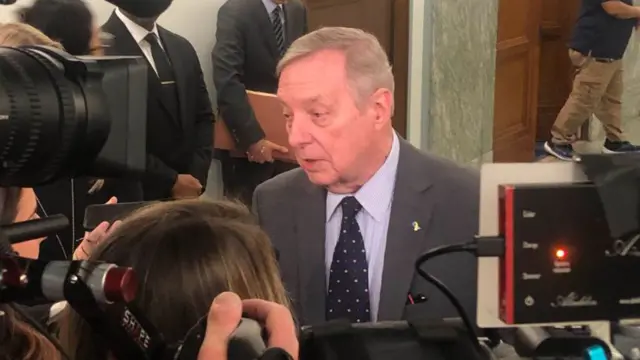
(245,57)
(441,196)
(174,146)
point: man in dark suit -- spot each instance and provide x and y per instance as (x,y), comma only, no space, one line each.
(179,114)
(251,37)
(350,223)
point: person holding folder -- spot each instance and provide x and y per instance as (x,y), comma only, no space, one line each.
(251,37)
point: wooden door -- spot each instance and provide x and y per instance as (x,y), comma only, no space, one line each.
(556,71)
(516,87)
(388,20)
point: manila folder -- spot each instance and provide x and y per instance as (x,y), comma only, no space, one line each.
(268,111)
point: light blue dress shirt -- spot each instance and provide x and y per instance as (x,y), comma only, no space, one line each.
(270,6)
(376,197)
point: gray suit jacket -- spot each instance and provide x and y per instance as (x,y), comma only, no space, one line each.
(441,196)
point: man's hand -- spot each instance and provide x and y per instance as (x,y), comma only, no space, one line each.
(225,314)
(262,151)
(186,187)
(95,237)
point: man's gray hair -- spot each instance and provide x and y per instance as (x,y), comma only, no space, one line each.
(367,64)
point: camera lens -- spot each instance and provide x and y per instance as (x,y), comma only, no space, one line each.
(44,121)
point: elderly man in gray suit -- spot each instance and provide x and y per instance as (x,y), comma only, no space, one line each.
(350,223)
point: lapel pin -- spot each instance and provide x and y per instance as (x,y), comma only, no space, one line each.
(416,226)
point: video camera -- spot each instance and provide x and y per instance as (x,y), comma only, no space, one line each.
(63,117)
(568,233)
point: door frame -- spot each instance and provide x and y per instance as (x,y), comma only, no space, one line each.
(418,86)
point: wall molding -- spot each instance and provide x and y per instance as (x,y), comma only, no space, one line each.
(419,39)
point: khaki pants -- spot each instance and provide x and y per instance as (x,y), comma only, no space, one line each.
(597,88)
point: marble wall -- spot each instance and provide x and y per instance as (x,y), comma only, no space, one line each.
(458,71)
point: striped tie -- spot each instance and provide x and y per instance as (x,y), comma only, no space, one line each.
(278,31)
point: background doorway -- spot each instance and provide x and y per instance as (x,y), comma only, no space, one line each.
(533,73)
(388,20)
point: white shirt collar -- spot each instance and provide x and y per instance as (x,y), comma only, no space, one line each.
(270,6)
(138,32)
(375,195)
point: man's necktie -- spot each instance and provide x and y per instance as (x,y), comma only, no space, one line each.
(278,29)
(161,60)
(348,294)
(164,69)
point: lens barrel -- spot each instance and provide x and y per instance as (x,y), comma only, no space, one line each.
(44,132)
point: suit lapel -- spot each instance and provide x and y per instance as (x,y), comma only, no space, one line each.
(124,44)
(264,22)
(178,66)
(410,215)
(310,236)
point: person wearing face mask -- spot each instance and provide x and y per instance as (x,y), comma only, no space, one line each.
(350,223)
(251,37)
(68,21)
(179,114)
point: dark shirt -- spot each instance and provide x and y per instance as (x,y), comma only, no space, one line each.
(600,34)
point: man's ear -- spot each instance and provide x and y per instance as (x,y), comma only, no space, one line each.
(383,104)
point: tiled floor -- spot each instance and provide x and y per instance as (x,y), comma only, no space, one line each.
(631,127)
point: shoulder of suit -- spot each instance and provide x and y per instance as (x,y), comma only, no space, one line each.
(110,23)
(283,183)
(299,4)
(168,32)
(442,171)
(234,7)
(180,38)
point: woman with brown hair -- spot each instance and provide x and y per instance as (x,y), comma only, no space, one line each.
(18,340)
(19,34)
(185,253)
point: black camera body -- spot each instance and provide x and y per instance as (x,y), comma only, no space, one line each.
(64,116)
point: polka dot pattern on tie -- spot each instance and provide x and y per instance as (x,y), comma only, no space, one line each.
(348,294)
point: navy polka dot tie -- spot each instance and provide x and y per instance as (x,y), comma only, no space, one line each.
(348,294)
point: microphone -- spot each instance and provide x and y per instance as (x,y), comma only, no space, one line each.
(138,8)
(25,280)
(34,229)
